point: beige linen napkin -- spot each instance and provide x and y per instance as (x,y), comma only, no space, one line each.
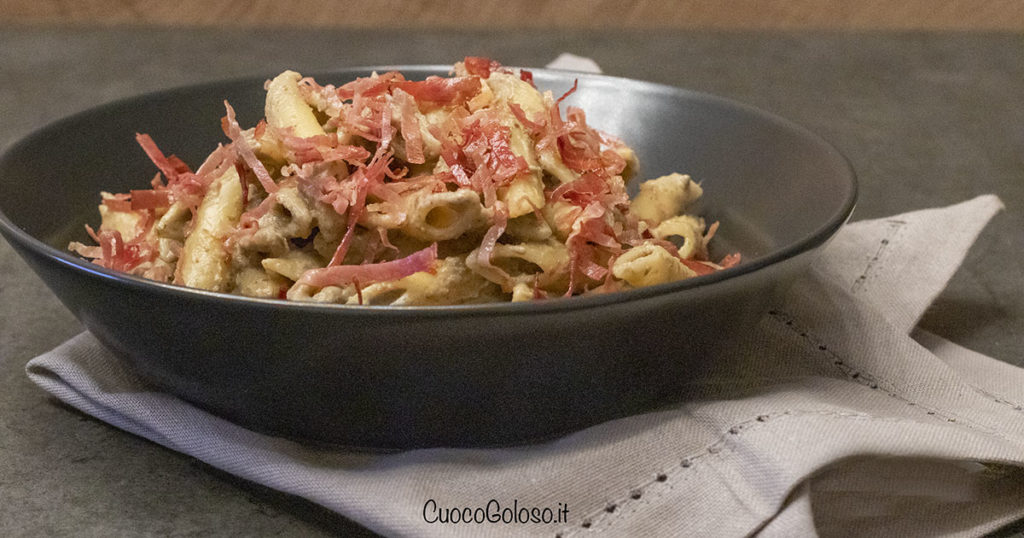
(827,418)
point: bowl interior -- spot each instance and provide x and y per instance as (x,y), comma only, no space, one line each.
(771,184)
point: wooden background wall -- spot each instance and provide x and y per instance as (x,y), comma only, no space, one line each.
(720,14)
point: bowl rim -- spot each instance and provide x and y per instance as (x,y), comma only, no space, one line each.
(808,242)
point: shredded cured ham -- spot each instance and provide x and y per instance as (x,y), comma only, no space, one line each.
(248,223)
(184,185)
(234,132)
(591,237)
(479,66)
(149,199)
(364,178)
(483,67)
(730,260)
(589,188)
(410,127)
(118,202)
(516,199)
(322,148)
(343,275)
(438,91)
(482,158)
(114,252)
(535,127)
(699,267)
(583,149)
(486,251)
(171,167)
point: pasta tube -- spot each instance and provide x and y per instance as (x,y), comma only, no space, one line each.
(649,264)
(444,215)
(286,109)
(688,227)
(664,197)
(204,262)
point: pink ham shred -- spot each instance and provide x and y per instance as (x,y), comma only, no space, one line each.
(527,76)
(343,275)
(321,148)
(583,149)
(234,132)
(483,67)
(184,185)
(114,252)
(150,199)
(484,160)
(589,188)
(535,127)
(248,222)
(362,178)
(371,86)
(730,260)
(410,125)
(699,267)
(490,240)
(438,91)
(480,66)
(171,167)
(118,202)
(369,114)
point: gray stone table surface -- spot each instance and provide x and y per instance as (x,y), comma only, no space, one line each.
(926,120)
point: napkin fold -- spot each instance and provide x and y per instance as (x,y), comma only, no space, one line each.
(827,418)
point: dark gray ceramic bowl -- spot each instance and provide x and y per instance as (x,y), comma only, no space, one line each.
(395,378)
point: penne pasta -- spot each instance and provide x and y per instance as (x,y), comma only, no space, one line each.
(286,110)
(204,262)
(444,215)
